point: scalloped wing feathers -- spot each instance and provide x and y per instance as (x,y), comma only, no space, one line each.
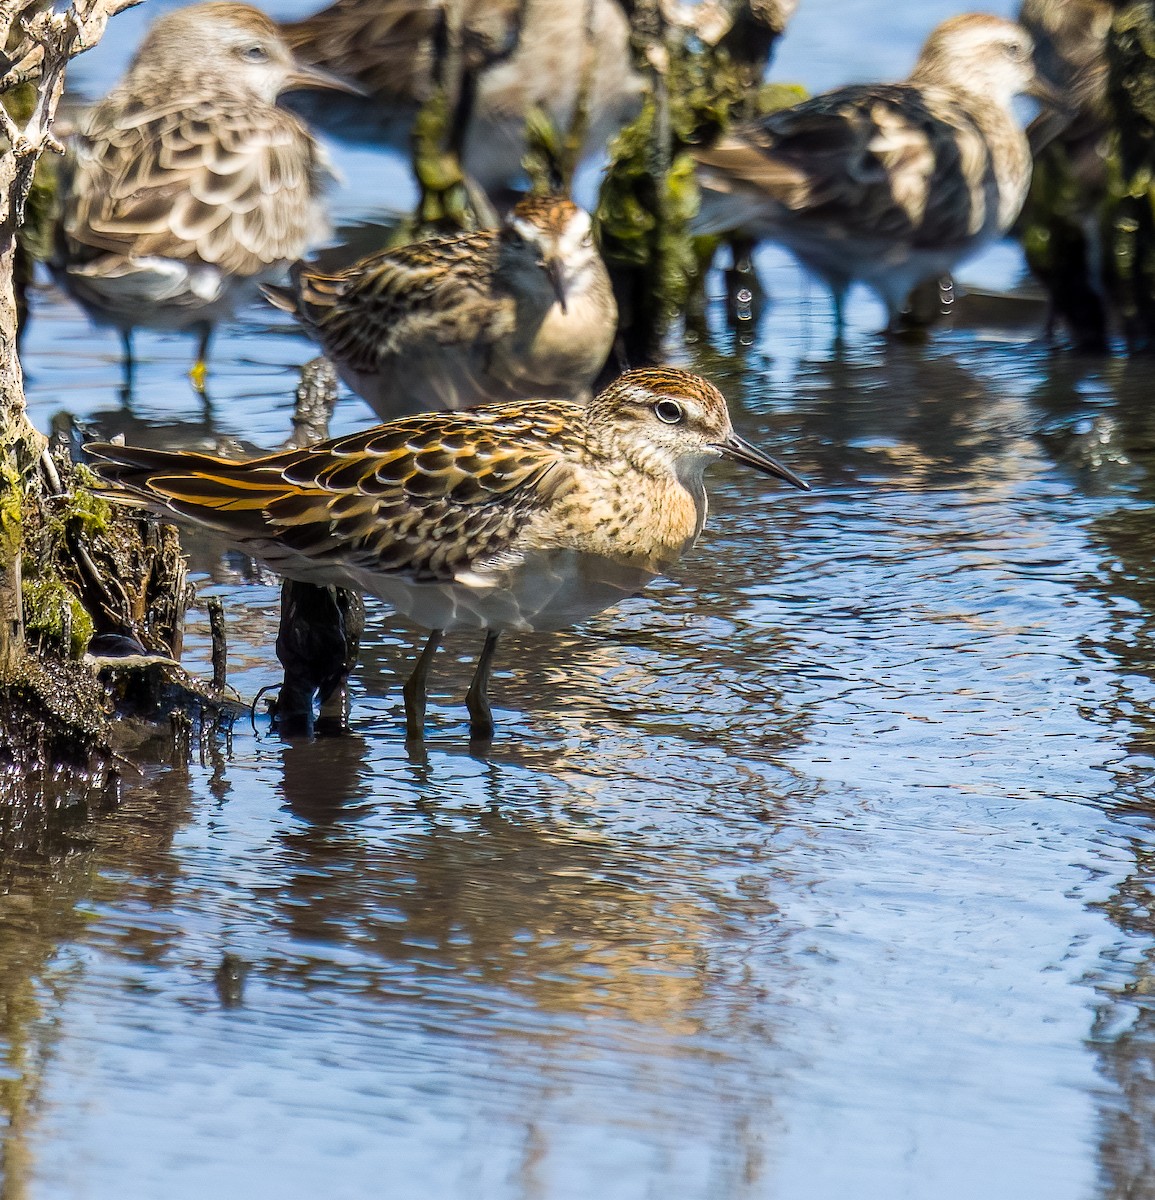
(219,183)
(426,498)
(438,292)
(873,162)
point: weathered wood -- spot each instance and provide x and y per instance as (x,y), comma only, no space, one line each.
(1061,223)
(320,631)
(699,84)
(316,397)
(39,44)
(75,572)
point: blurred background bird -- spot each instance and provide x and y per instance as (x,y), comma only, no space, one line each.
(523,312)
(189,183)
(515,56)
(887,184)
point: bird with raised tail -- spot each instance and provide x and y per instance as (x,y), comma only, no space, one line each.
(527,516)
(890,185)
(523,312)
(189,184)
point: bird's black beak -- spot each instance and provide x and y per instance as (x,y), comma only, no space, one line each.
(555,271)
(741,451)
(1043,89)
(307,77)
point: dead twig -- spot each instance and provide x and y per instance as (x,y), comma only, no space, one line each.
(47,36)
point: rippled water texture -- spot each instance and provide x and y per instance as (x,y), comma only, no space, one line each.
(822,870)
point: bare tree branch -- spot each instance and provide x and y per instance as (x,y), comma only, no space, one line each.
(36,45)
(59,37)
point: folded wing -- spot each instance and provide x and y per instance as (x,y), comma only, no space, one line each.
(423,498)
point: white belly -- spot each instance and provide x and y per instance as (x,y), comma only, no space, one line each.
(549,590)
(158,293)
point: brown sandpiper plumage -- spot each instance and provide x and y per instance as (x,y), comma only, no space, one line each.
(523,312)
(526,516)
(189,183)
(889,185)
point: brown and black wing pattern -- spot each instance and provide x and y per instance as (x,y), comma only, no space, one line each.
(424,498)
(213,183)
(402,301)
(878,162)
(392,47)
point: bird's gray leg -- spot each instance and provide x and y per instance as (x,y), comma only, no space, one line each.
(838,294)
(200,369)
(895,322)
(477,698)
(129,364)
(838,290)
(414,690)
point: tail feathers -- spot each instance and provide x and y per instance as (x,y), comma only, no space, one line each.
(280,296)
(307,297)
(134,466)
(744,187)
(229,496)
(734,162)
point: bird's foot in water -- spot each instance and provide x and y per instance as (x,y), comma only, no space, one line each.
(199,375)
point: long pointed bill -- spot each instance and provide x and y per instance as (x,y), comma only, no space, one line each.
(306,77)
(741,451)
(555,270)
(1042,89)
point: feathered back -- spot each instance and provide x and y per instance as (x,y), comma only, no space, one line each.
(422,497)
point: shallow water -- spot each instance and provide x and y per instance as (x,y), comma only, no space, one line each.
(825,869)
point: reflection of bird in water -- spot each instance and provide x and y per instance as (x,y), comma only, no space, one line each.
(521,55)
(524,900)
(887,185)
(526,516)
(526,312)
(1071,166)
(190,183)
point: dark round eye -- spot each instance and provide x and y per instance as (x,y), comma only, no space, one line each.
(669,411)
(1015,51)
(255,54)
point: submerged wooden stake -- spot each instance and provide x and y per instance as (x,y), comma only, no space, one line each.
(320,631)
(219,643)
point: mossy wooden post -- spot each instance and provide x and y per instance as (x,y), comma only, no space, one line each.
(48,701)
(1060,226)
(449,199)
(1055,224)
(642,332)
(645,204)
(756,26)
(38,45)
(650,196)
(1131,215)
(19,442)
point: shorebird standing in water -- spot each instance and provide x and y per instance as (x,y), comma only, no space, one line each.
(889,185)
(527,516)
(190,184)
(524,312)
